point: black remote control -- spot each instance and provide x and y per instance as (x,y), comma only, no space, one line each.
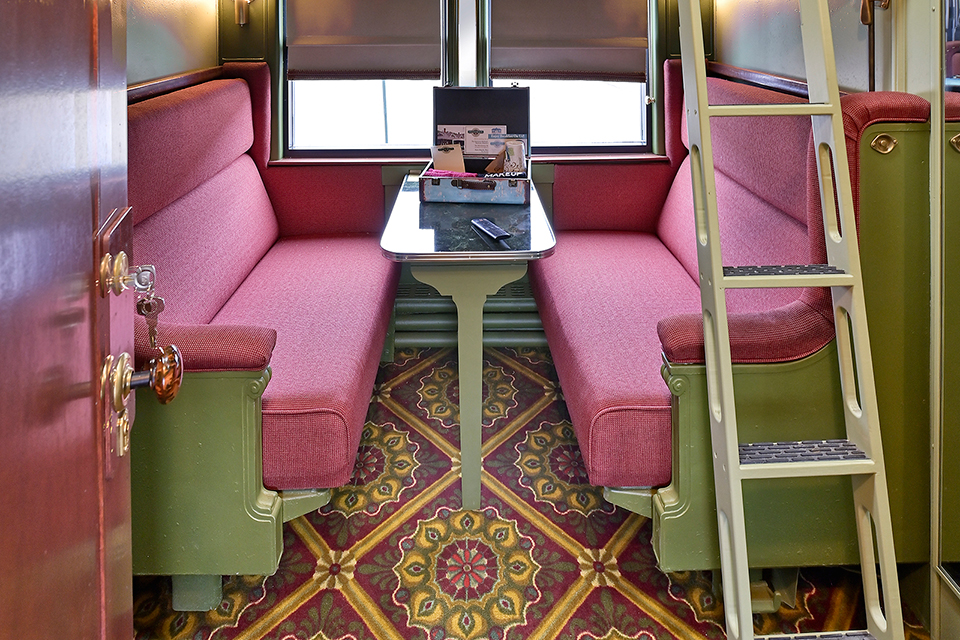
(489,229)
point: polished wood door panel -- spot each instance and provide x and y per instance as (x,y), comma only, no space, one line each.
(64,540)
(113,331)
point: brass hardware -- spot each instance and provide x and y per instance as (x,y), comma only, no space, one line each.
(883,143)
(955,142)
(166,374)
(163,375)
(116,277)
(120,382)
(105,379)
(112,272)
(110,226)
(123,432)
(117,378)
(108,376)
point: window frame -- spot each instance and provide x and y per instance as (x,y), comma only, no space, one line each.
(449,54)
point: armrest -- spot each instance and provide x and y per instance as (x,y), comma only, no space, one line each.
(209,347)
(780,335)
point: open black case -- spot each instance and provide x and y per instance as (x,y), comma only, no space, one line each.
(475,109)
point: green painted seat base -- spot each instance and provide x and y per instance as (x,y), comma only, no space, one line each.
(790,522)
(196,593)
(809,522)
(199,507)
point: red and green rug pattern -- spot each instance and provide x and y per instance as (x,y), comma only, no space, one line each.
(393,556)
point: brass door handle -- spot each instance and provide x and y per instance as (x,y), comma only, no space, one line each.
(163,375)
(117,379)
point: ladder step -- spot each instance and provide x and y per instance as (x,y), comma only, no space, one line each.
(823,635)
(800,451)
(803,458)
(782,269)
(796,109)
(786,275)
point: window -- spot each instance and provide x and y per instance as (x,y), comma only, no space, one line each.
(585,64)
(365,114)
(360,73)
(585,115)
(369,67)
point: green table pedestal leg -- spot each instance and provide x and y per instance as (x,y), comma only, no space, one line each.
(469,286)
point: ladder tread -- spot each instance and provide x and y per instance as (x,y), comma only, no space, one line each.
(800,451)
(823,635)
(786,276)
(782,270)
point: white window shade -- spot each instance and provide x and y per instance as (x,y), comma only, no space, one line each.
(564,39)
(355,39)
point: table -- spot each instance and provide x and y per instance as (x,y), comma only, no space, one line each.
(445,252)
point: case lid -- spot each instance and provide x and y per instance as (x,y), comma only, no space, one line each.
(509,106)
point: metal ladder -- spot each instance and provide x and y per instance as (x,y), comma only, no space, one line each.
(860,455)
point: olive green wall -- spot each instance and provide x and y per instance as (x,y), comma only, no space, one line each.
(165,38)
(765,36)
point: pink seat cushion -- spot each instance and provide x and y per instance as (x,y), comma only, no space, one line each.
(594,197)
(241,297)
(180,140)
(951,105)
(330,301)
(205,243)
(600,296)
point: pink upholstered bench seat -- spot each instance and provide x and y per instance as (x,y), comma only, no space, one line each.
(607,329)
(326,297)
(606,347)
(300,286)
(621,290)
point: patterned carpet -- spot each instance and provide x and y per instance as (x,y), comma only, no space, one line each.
(393,557)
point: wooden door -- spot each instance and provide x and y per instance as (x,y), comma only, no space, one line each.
(64,496)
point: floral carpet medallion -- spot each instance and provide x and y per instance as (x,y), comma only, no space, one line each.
(466,575)
(551,466)
(441,402)
(394,557)
(385,466)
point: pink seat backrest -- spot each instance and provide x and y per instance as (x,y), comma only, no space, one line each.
(201,213)
(761,176)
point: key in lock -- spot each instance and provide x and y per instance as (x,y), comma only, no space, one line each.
(150,308)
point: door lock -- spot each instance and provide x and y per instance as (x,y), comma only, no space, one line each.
(163,375)
(116,276)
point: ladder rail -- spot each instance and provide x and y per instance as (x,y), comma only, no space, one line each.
(733,548)
(858,387)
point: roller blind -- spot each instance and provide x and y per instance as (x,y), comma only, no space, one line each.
(569,39)
(357,39)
